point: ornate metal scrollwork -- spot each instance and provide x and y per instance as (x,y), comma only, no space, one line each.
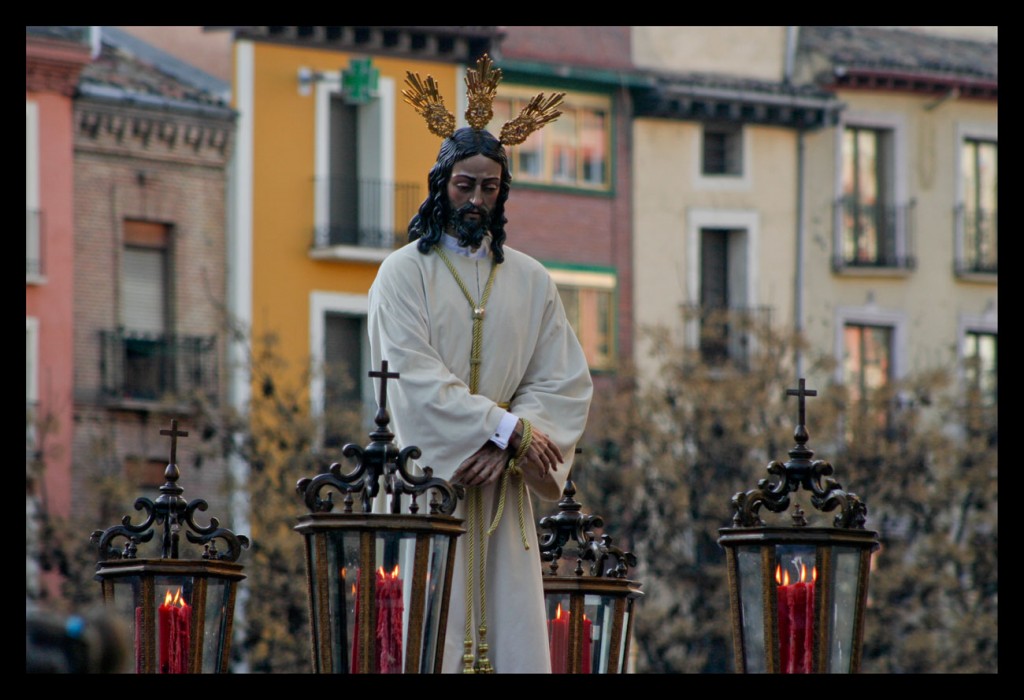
(826,493)
(575,529)
(380,458)
(172,512)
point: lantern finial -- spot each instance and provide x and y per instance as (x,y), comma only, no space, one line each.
(174,513)
(381,458)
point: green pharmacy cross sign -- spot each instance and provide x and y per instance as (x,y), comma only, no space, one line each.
(359,81)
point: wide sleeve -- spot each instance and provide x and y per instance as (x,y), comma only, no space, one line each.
(431,408)
(556,390)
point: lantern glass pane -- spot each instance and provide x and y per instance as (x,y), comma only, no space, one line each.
(436,568)
(794,574)
(342,565)
(844,607)
(215,625)
(598,614)
(126,605)
(751,591)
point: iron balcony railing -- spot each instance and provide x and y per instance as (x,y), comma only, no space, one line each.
(727,335)
(154,367)
(976,240)
(873,235)
(364,212)
(33,243)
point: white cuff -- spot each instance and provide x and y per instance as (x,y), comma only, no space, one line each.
(504,430)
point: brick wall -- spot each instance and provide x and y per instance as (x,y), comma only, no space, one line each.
(150,166)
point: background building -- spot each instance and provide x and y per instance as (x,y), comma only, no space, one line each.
(153,137)
(54,56)
(901,248)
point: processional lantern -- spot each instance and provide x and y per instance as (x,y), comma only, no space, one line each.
(180,611)
(378,583)
(589,605)
(798,592)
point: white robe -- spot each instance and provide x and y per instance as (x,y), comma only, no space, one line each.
(421,323)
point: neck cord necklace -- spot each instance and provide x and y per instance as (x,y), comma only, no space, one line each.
(474,504)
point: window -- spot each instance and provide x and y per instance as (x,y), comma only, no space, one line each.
(872,220)
(360,212)
(871,356)
(33,243)
(573,151)
(145,309)
(589,299)
(31,382)
(722,152)
(341,391)
(980,366)
(721,317)
(867,359)
(977,220)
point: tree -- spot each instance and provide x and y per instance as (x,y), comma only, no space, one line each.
(665,455)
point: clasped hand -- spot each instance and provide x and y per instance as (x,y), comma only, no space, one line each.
(486,464)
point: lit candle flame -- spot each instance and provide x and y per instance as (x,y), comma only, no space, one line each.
(781,576)
(558,612)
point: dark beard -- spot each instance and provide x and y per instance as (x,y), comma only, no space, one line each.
(471,232)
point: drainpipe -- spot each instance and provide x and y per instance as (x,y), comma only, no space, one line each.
(798,282)
(798,279)
(790,54)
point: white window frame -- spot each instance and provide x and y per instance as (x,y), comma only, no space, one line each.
(320,303)
(724,182)
(897,173)
(743,276)
(376,159)
(871,315)
(31,359)
(986,322)
(31,380)
(965,131)
(33,228)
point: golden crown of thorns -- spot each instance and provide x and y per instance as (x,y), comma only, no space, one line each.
(481,88)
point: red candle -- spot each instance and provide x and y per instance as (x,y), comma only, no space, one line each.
(587,626)
(782,597)
(558,637)
(796,622)
(166,626)
(183,625)
(175,620)
(389,622)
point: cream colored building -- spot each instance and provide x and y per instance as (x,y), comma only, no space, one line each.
(902,241)
(716,181)
(837,180)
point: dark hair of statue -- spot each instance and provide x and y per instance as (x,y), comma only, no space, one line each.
(429,224)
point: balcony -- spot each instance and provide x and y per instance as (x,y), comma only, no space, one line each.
(33,246)
(975,243)
(362,216)
(726,336)
(150,368)
(873,236)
